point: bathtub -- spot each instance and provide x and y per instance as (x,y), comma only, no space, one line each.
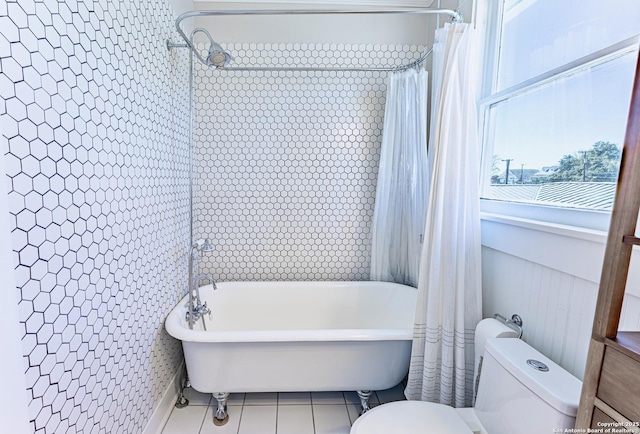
(298,337)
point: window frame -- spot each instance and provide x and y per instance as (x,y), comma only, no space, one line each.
(582,218)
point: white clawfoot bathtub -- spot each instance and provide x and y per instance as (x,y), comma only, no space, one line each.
(297,336)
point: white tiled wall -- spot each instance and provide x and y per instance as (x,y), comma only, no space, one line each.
(288,161)
(94,133)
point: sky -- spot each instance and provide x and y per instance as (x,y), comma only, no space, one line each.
(538,128)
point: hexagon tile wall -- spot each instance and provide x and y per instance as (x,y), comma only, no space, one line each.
(96,152)
(288,161)
(94,125)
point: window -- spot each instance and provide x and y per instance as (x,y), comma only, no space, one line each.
(554,121)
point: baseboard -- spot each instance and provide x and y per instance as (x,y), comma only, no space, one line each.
(163,410)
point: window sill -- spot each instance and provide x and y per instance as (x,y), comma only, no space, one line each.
(568,248)
(549,217)
(548,227)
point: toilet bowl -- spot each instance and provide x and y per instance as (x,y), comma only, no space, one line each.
(520,391)
(408,417)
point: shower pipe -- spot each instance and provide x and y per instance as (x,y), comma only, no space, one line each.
(455,16)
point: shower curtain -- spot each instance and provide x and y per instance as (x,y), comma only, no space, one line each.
(401,195)
(449,287)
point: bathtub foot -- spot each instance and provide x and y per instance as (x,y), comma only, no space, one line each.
(364,400)
(182,402)
(222,422)
(221,416)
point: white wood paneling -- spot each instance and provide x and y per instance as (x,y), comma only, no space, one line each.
(557,308)
(630,317)
(549,244)
(570,249)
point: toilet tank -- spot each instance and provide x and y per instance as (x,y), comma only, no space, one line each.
(519,397)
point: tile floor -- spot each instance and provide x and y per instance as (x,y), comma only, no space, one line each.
(275,413)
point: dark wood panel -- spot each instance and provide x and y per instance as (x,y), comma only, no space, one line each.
(627,343)
(600,416)
(620,383)
(590,383)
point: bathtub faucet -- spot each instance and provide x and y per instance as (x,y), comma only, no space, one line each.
(197,312)
(195,308)
(199,309)
(201,277)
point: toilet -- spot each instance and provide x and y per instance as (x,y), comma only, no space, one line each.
(520,391)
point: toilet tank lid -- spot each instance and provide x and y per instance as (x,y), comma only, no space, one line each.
(557,387)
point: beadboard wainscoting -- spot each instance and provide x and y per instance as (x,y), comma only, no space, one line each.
(552,283)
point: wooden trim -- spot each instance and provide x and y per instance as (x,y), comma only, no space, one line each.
(623,222)
(609,411)
(627,343)
(632,240)
(615,268)
(590,384)
(619,384)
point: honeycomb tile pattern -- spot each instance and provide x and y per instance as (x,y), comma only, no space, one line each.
(97,164)
(288,161)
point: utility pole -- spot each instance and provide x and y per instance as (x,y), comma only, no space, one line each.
(522,173)
(506,177)
(584,165)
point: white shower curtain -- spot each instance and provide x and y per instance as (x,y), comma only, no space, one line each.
(449,288)
(401,195)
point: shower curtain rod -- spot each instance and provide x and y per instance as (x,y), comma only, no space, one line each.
(454,15)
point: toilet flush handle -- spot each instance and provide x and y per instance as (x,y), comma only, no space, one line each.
(538,365)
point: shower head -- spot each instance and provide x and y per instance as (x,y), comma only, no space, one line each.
(207,247)
(217,56)
(203,245)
